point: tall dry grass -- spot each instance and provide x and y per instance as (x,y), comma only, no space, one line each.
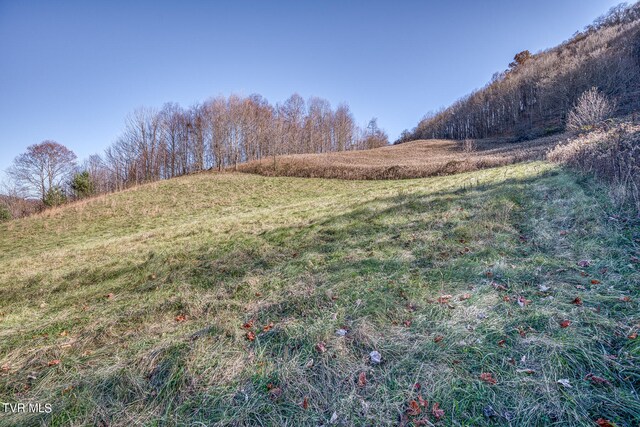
(612,154)
(416,159)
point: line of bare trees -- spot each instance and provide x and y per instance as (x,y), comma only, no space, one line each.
(223,132)
(172,141)
(535,94)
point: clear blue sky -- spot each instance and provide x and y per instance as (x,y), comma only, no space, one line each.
(72,70)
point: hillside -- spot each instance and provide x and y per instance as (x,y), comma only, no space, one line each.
(415,159)
(534,95)
(505,296)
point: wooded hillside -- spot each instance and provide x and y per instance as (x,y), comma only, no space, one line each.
(534,95)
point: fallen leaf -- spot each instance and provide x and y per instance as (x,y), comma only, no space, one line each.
(577,301)
(5,368)
(54,362)
(522,301)
(321,347)
(604,423)
(595,281)
(305,403)
(407,323)
(625,298)
(501,343)
(488,378)
(438,338)
(181,318)
(580,287)
(417,386)
(565,323)
(506,298)
(526,371)
(109,296)
(436,411)
(444,299)
(64,333)
(275,393)
(362,379)
(489,274)
(464,297)
(251,336)
(422,402)
(268,327)
(498,287)
(414,408)
(249,324)
(309,364)
(565,383)
(584,263)
(522,332)
(597,380)
(563,232)
(633,336)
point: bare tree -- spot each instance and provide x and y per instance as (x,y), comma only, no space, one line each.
(43,167)
(374,137)
(343,128)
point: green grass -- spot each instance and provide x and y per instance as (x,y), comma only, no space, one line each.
(311,257)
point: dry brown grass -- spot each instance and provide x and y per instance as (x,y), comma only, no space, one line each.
(611,152)
(416,159)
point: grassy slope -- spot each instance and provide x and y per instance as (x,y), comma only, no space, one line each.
(313,256)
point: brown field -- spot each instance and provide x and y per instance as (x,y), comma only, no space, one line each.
(415,159)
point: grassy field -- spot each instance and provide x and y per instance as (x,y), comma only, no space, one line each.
(505,296)
(415,159)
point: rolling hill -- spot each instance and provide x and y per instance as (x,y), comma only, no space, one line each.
(415,159)
(504,296)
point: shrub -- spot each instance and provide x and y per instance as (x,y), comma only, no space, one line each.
(82,185)
(5,215)
(592,108)
(611,155)
(54,197)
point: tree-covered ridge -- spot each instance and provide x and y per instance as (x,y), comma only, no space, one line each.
(535,94)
